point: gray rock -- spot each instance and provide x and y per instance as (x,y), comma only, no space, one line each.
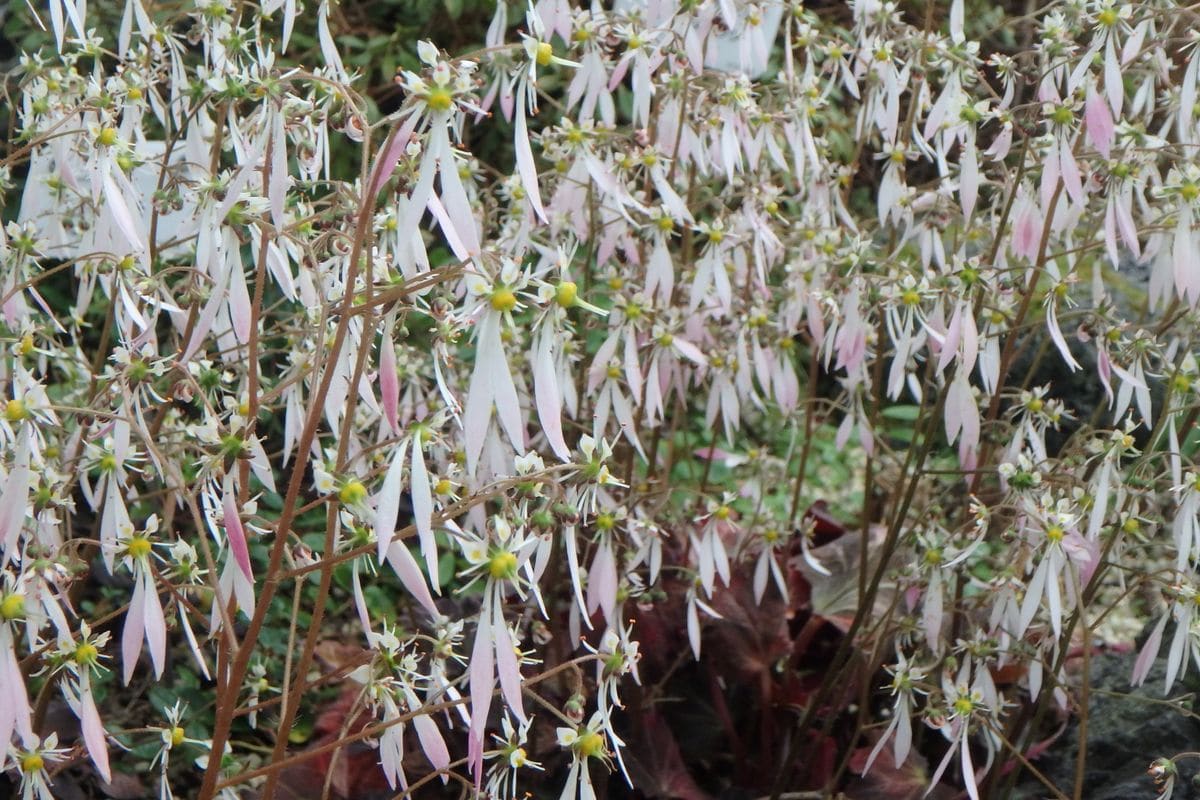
(1127,729)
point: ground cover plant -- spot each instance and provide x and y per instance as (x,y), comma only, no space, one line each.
(676,399)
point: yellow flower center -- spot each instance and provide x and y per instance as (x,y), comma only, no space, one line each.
(544,54)
(176,736)
(107,137)
(503,566)
(12,607)
(86,654)
(15,411)
(439,99)
(442,487)
(138,547)
(503,300)
(32,762)
(1054,533)
(352,493)
(566,294)
(590,744)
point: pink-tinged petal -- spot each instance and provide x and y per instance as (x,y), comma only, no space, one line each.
(950,342)
(945,762)
(15,499)
(121,215)
(969,178)
(669,196)
(1104,371)
(602,581)
(1114,84)
(1027,232)
(526,167)
(693,628)
(239,298)
(847,427)
(547,397)
(572,552)
(277,187)
(156,625)
(409,572)
(134,632)
(1056,335)
(970,341)
(328,47)
(481,681)
(260,464)
(508,667)
(1072,181)
(1098,118)
(1125,223)
(1051,171)
(968,769)
(14,702)
(1110,233)
(956,22)
(455,198)
(1187,99)
(233,192)
(93,733)
(761,573)
(207,316)
(1149,652)
(432,743)
(508,404)
(633,367)
(389,381)
(234,530)
(387,503)
(449,229)
(391,755)
(422,502)
(360,601)
(481,392)
(392,153)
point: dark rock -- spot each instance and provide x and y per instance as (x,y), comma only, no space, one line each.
(1127,729)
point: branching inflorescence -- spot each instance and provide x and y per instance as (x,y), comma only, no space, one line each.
(475,402)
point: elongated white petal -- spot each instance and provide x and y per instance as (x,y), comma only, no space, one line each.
(422,502)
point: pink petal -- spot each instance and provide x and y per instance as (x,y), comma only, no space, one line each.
(526,167)
(235,532)
(1098,118)
(422,502)
(389,382)
(508,667)
(410,575)
(156,625)
(481,681)
(93,734)
(135,630)
(547,397)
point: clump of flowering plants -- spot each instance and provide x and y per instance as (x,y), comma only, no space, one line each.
(491,397)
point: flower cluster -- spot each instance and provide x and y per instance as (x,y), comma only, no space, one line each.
(264,343)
